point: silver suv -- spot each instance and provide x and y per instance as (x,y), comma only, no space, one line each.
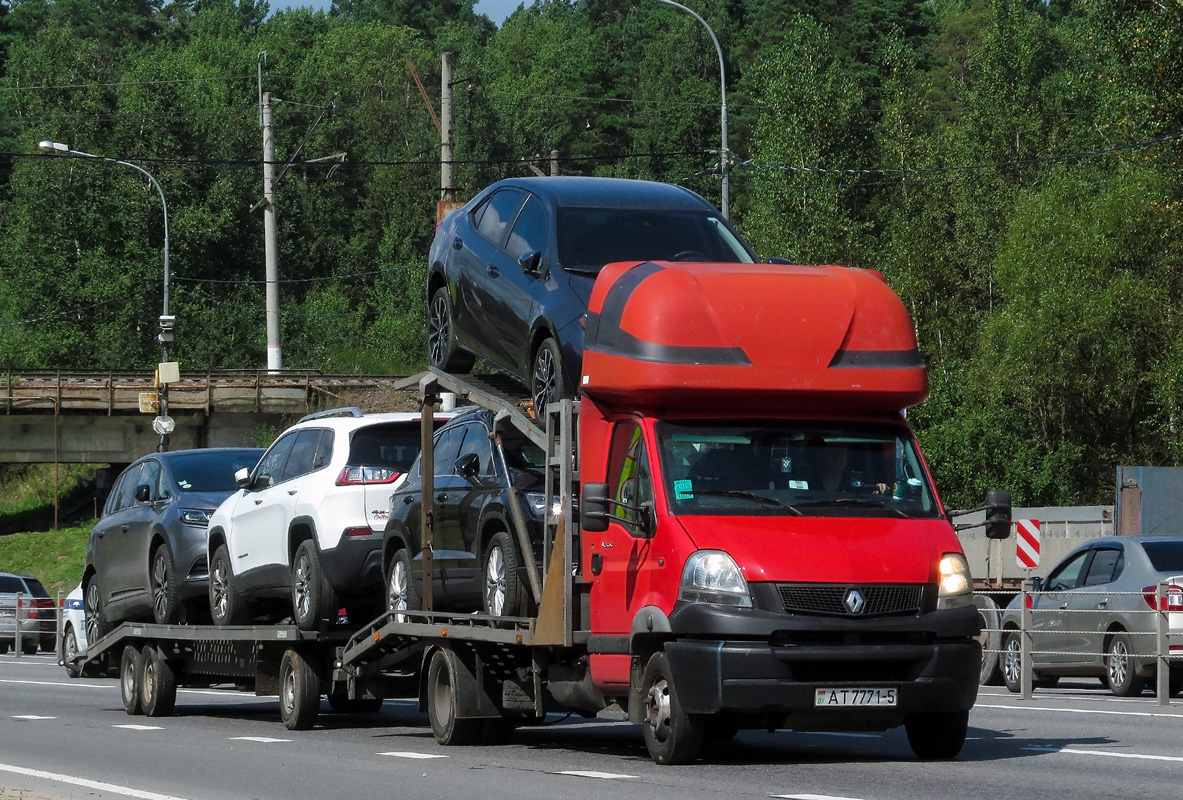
(303,537)
(37,613)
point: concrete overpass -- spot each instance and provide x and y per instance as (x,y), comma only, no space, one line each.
(106,417)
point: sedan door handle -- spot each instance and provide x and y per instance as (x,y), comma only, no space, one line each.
(1063,606)
(292,491)
(457,243)
(1103,603)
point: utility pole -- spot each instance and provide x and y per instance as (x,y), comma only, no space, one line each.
(274,351)
(554,163)
(447,190)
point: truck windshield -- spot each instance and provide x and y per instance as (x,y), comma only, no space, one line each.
(827,470)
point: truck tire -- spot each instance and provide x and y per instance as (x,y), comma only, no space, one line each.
(671,735)
(299,692)
(129,680)
(502,587)
(990,638)
(313,598)
(442,350)
(443,706)
(225,604)
(1120,667)
(937,736)
(158,683)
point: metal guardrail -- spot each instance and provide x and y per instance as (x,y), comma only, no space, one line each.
(1029,635)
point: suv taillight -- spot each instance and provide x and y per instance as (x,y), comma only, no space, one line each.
(359,476)
(1173,600)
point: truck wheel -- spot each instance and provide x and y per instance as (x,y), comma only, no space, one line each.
(990,639)
(129,680)
(70,652)
(312,596)
(503,587)
(1119,667)
(158,683)
(225,604)
(672,735)
(299,692)
(166,608)
(401,594)
(92,611)
(341,703)
(442,706)
(546,376)
(938,735)
(442,350)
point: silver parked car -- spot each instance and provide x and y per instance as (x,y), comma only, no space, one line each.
(1092,616)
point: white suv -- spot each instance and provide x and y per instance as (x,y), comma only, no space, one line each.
(304,534)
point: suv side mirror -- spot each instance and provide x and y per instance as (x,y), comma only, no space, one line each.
(997,514)
(529,262)
(468,466)
(143,493)
(243,478)
(593,511)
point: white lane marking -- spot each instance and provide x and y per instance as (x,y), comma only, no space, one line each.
(30,716)
(1073,751)
(608,776)
(408,754)
(812,797)
(139,727)
(262,739)
(1079,711)
(89,784)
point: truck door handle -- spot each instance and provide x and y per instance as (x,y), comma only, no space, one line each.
(457,243)
(597,563)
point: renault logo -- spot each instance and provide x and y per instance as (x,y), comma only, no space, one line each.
(854,601)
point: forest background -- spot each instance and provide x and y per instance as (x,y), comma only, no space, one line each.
(1011,166)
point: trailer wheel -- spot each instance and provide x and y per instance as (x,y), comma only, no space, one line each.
(442,705)
(312,595)
(672,735)
(299,692)
(937,736)
(129,680)
(158,684)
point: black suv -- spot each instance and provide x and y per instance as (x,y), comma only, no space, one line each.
(477,563)
(510,274)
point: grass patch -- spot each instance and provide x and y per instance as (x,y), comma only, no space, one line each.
(30,486)
(53,557)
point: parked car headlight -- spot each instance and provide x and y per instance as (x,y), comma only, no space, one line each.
(537,503)
(196,517)
(712,576)
(956,587)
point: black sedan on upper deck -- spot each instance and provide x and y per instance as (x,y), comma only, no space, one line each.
(511,272)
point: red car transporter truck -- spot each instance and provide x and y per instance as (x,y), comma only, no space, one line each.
(758,543)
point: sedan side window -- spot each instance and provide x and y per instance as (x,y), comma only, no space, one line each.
(271,465)
(1067,575)
(1105,568)
(498,214)
(529,233)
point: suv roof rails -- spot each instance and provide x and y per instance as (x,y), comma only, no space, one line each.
(344,411)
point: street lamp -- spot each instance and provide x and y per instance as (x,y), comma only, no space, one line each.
(163,424)
(724,154)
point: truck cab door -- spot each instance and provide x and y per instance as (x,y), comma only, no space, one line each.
(623,557)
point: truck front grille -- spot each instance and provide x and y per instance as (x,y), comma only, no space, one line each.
(884,600)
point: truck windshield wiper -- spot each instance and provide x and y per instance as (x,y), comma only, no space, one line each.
(854,501)
(744,495)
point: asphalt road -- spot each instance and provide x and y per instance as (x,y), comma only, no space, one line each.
(63,738)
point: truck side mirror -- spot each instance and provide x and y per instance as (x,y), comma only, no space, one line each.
(647,524)
(593,511)
(997,514)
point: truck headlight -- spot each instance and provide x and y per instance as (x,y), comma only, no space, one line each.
(956,587)
(712,576)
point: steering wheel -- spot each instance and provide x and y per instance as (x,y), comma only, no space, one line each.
(689,255)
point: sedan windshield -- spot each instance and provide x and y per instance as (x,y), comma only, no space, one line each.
(589,238)
(800,470)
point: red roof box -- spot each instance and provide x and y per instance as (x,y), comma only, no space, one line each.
(751,337)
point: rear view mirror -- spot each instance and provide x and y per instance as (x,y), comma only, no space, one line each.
(530,262)
(997,514)
(593,511)
(243,478)
(468,466)
(143,493)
